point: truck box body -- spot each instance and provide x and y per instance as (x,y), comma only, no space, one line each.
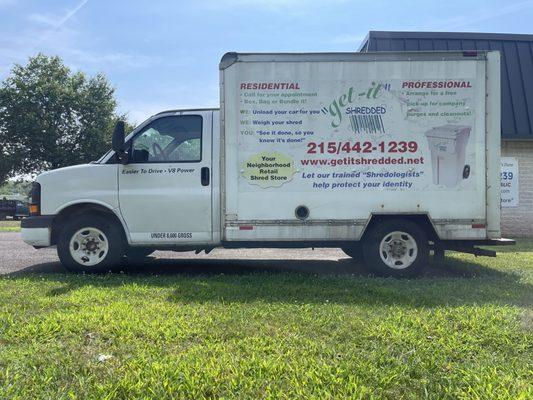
(343,137)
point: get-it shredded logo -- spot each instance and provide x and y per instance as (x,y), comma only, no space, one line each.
(375,90)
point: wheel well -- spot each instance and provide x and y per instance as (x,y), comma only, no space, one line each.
(422,220)
(82,209)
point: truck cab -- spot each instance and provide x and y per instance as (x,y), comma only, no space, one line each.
(160,191)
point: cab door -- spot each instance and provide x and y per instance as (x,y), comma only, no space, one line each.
(165,189)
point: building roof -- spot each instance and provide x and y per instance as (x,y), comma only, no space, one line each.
(516,66)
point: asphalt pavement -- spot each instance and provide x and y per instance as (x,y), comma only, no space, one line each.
(16,257)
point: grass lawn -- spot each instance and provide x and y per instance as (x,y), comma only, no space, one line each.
(9,226)
(465,331)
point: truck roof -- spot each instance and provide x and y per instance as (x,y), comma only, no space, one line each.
(231,58)
(187,109)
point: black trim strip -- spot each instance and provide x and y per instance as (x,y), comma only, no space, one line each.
(41,221)
(480,242)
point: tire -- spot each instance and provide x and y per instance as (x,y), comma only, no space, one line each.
(91,243)
(3,217)
(398,248)
(138,253)
(354,251)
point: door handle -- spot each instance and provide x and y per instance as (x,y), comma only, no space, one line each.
(204,176)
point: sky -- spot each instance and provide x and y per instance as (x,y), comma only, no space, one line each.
(163,54)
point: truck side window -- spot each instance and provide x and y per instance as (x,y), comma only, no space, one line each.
(169,139)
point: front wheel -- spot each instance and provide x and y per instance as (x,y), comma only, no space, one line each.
(90,244)
(397,248)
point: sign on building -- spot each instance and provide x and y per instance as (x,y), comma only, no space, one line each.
(509,181)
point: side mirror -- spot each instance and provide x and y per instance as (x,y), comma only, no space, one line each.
(118,137)
(118,142)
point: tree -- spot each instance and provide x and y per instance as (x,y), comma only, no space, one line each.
(51,117)
(11,188)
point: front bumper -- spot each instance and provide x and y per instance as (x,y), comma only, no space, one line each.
(37,231)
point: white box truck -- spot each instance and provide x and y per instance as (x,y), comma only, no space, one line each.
(385,155)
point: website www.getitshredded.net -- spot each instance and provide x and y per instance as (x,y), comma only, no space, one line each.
(333,162)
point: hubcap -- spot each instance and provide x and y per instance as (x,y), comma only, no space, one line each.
(398,250)
(89,246)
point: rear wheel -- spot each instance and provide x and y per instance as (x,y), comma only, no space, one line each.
(397,248)
(90,244)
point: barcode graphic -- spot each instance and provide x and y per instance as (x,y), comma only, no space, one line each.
(367,124)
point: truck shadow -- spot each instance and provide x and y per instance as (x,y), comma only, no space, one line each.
(343,281)
(152,266)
